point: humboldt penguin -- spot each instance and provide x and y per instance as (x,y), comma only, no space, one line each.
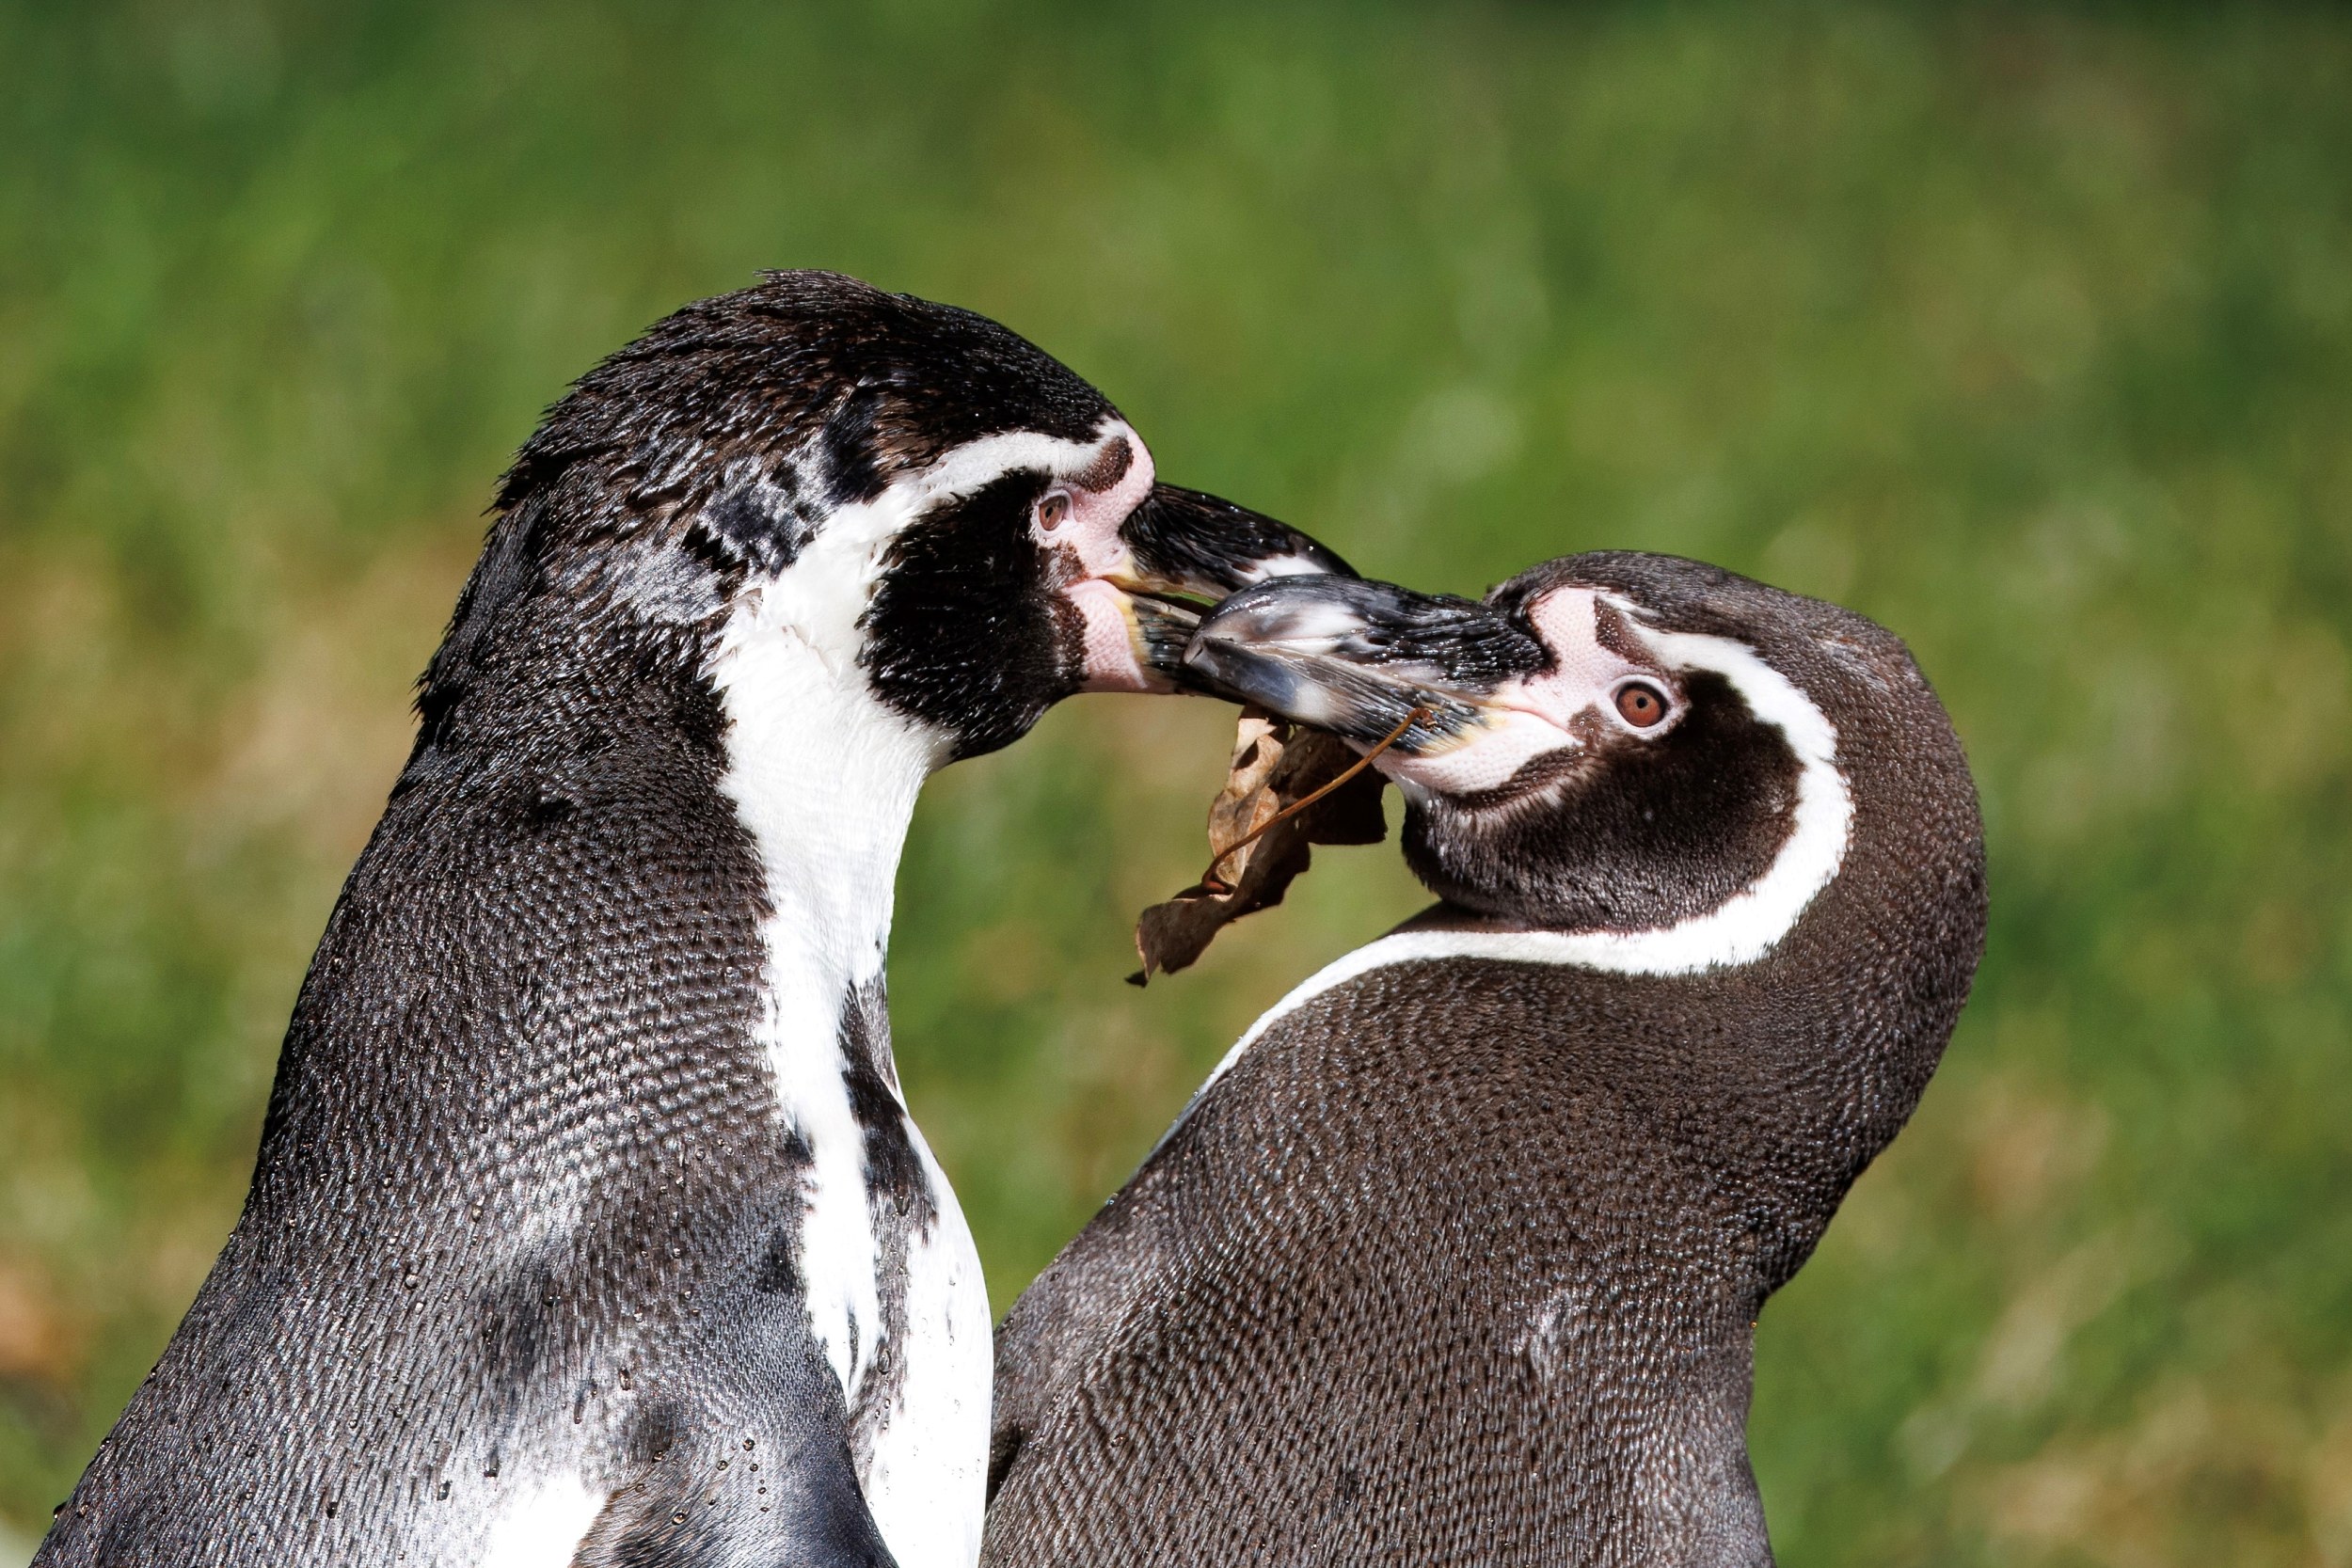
(1457,1258)
(589,1226)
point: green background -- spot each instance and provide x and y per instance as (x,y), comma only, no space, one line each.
(2028,334)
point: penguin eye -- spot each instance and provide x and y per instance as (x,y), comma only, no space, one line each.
(1640,704)
(1053,510)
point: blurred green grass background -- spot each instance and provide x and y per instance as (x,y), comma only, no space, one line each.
(2027,333)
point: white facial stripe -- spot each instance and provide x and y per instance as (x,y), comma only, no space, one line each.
(1740,930)
(827,588)
(823,777)
(975,464)
(1750,922)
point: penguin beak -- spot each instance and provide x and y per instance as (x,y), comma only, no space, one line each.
(1185,544)
(1179,551)
(1366,660)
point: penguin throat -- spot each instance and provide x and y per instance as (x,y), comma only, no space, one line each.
(823,772)
(823,778)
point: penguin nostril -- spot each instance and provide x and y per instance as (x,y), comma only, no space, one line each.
(1053,510)
(1640,704)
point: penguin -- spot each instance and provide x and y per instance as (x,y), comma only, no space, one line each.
(588,1225)
(1458,1254)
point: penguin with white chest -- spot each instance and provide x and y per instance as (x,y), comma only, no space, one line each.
(1458,1256)
(589,1226)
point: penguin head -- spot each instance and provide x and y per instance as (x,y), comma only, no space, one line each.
(1629,745)
(927,512)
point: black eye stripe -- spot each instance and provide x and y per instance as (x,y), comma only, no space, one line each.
(963,633)
(1662,830)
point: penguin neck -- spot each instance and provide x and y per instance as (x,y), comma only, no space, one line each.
(823,778)
(1845,994)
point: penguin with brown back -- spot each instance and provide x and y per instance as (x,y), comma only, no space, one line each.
(1457,1257)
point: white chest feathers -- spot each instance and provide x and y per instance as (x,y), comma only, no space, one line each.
(824,780)
(922,1448)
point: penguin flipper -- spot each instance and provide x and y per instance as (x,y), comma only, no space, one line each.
(805,1512)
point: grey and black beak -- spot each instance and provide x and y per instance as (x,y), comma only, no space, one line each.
(1197,545)
(1357,657)
(1189,545)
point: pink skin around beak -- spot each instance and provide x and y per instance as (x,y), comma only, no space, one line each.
(1121,477)
(1534,715)
(1111,664)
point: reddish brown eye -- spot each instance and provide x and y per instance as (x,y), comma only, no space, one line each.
(1640,704)
(1053,510)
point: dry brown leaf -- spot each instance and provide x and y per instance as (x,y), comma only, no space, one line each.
(1276,765)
